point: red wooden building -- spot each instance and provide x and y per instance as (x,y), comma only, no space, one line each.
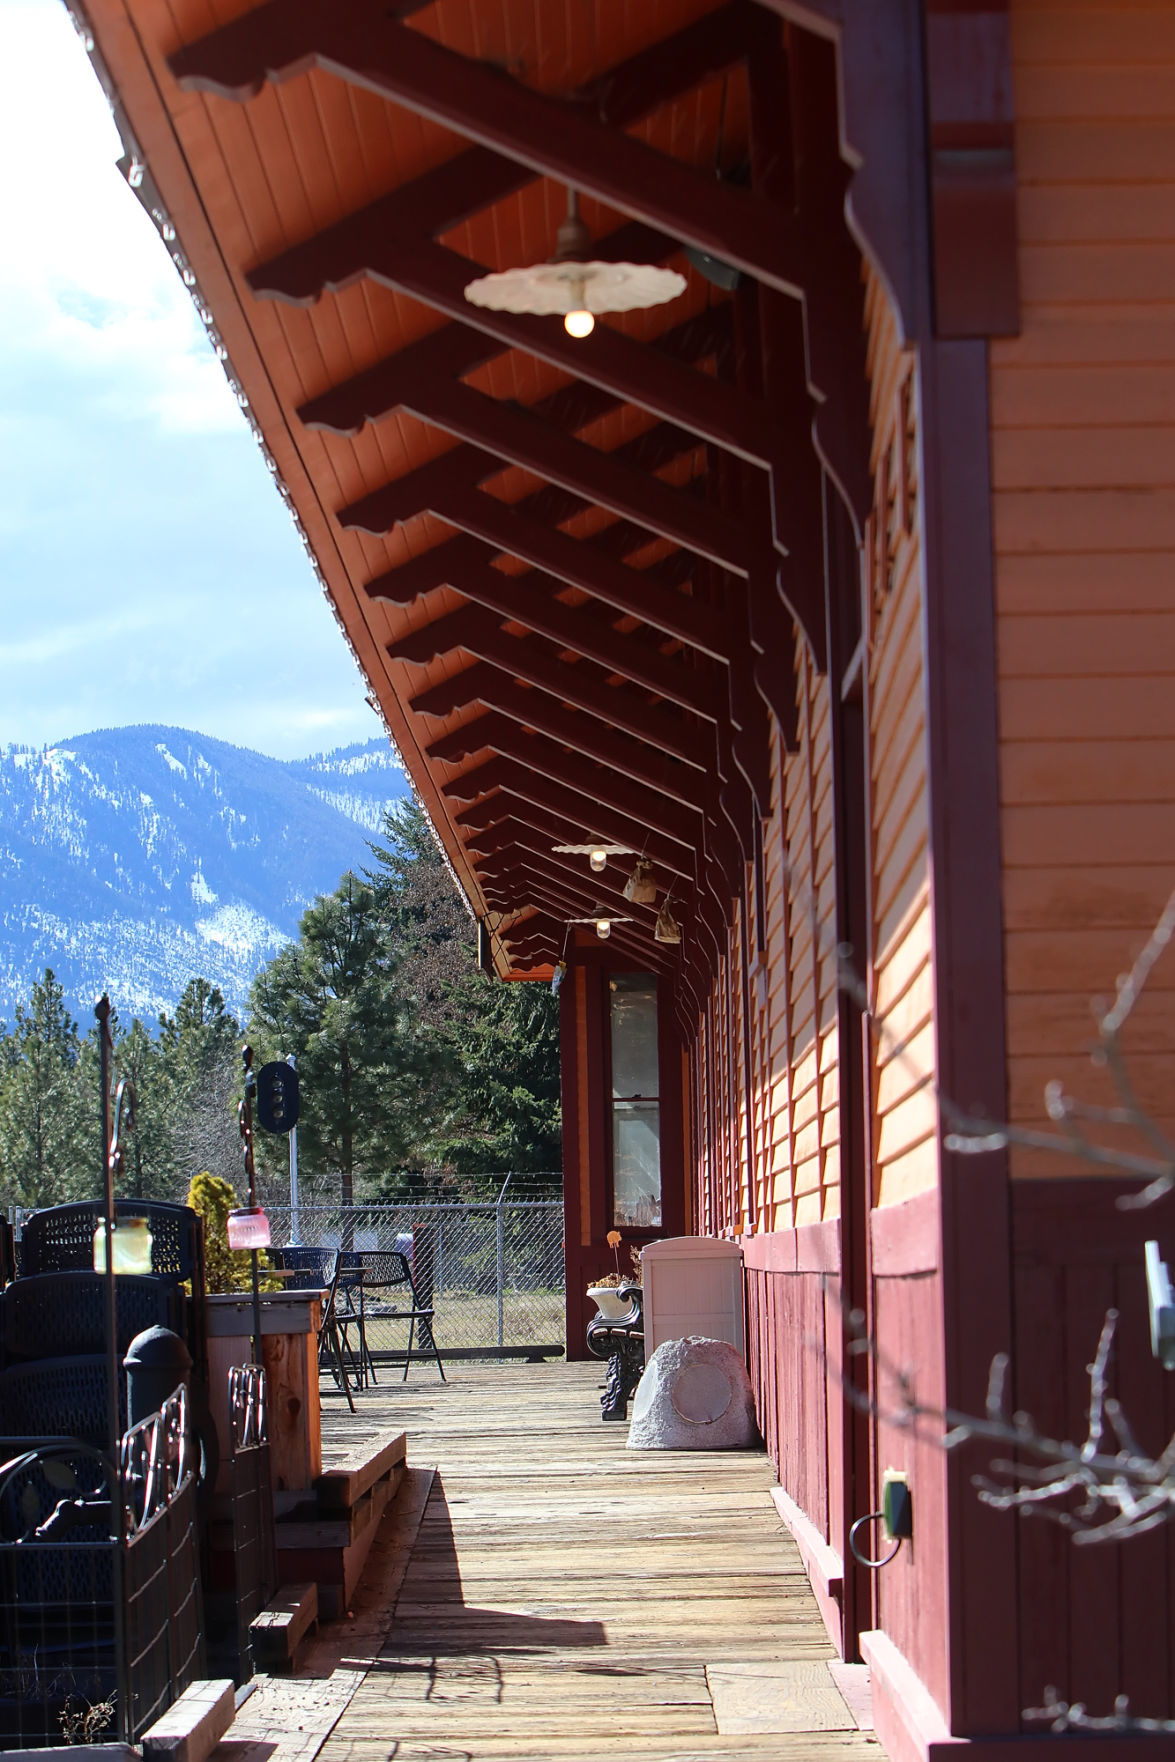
(836,591)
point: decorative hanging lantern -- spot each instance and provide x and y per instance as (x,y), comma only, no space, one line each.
(248,1227)
(574,285)
(667,928)
(131,1237)
(640,888)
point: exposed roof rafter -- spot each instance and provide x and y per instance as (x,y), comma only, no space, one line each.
(531,709)
(520,438)
(553,137)
(528,599)
(582,684)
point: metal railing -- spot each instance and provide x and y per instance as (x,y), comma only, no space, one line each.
(492,1270)
(100,1617)
(252,1498)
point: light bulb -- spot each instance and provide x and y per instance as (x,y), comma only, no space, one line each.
(603,928)
(579,323)
(598,860)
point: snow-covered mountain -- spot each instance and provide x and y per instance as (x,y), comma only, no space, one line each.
(134,859)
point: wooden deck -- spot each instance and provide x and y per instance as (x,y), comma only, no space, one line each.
(543,1592)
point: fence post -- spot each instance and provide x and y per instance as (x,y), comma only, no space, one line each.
(502,1261)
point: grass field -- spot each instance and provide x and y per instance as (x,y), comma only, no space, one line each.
(470,1318)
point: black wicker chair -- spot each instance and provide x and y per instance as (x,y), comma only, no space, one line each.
(58,1315)
(58,1398)
(60,1239)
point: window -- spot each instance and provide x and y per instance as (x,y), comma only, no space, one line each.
(636,1107)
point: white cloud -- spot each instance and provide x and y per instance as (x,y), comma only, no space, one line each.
(148,570)
(85,278)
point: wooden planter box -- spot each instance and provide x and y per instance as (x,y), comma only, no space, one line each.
(289,1345)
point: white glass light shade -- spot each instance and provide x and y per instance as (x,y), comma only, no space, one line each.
(603,928)
(248,1228)
(598,860)
(132,1246)
(568,289)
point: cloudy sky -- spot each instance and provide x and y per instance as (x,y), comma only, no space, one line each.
(144,554)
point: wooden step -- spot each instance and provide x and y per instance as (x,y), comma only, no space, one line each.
(349,1476)
(277,1632)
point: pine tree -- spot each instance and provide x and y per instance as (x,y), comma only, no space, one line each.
(333,999)
(195,1085)
(495,1047)
(50,1135)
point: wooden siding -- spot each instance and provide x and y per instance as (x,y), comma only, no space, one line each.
(900,980)
(1083,459)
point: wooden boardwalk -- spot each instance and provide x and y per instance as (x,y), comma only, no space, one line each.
(545,1593)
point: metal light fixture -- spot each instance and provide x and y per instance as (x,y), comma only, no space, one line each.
(573,285)
(640,888)
(601,921)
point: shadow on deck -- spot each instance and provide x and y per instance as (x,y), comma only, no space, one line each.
(539,1591)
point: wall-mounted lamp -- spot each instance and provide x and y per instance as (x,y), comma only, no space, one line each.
(1161,1303)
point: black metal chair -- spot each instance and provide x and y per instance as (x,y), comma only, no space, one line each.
(387,1271)
(317,1269)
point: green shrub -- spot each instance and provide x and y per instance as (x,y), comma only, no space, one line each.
(224,1269)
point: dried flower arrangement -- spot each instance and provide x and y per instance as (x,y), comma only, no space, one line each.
(610,1281)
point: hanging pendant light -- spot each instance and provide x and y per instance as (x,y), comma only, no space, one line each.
(574,285)
(601,921)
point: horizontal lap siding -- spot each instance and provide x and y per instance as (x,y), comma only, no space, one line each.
(1083,464)
(900,979)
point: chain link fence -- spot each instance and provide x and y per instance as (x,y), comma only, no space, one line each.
(493,1270)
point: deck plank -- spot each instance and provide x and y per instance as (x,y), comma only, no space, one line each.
(562,1590)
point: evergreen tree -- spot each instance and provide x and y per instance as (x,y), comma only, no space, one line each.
(333,999)
(148,1164)
(190,1107)
(50,1136)
(504,1042)
(425,915)
(495,1046)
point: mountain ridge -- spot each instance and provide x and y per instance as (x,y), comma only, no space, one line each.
(132,859)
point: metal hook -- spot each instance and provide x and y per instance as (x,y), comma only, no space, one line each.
(864,1559)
